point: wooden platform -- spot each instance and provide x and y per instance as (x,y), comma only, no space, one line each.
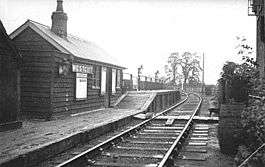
(10,125)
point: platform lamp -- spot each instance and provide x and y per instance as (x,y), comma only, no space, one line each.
(64,67)
(139,72)
(156,75)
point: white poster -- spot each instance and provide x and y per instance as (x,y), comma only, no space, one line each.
(103,80)
(113,81)
(81,86)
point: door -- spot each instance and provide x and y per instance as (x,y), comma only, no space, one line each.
(113,85)
(103,80)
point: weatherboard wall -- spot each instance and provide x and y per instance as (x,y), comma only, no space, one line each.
(9,83)
(36,74)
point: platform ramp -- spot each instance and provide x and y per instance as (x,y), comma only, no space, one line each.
(134,100)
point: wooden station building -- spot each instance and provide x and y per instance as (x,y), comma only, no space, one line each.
(9,82)
(62,74)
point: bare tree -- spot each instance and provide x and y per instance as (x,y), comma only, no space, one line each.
(186,66)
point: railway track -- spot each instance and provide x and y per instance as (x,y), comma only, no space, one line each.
(152,143)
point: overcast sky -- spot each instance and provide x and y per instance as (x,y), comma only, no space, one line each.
(147,31)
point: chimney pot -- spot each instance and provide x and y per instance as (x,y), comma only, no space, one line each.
(59,20)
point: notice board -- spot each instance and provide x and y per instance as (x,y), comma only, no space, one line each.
(81,86)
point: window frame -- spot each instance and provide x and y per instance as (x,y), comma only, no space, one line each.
(96,77)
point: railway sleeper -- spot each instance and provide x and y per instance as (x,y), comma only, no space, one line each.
(199,135)
(163,124)
(164,127)
(188,147)
(161,131)
(142,148)
(134,155)
(192,156)
(150,137)
(149,151)
(202,143)
(145,145)
(201,128)
(112,164)
(195,150)
(200,131)
(124,160)
(158,134)
(199,138)
(149,142)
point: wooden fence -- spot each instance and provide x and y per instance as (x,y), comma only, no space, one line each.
(131,82)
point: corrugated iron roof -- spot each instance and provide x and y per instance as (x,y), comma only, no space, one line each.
(70,44)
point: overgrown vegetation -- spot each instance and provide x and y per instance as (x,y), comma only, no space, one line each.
(237,82)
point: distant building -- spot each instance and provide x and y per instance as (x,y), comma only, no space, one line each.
(63,74)
(9,82)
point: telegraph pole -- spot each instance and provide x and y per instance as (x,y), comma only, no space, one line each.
(256,8)
(202,73)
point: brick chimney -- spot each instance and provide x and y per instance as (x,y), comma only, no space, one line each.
(59,20)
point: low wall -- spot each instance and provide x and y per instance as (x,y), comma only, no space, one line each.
(147,85)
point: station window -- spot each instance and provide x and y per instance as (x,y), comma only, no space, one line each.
(118,79)
(96,77)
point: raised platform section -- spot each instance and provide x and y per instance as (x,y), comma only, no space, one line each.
(134,100)
(148,101)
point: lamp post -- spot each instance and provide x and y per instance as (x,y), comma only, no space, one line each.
(139,72)
(156,75)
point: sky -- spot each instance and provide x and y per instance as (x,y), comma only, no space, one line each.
(146,31)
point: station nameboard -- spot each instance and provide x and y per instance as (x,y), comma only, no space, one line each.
(80,68)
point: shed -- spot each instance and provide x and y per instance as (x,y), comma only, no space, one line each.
(9,82)
(63,74)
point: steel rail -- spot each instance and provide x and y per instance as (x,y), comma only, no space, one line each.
(251,156)
(118,136)
(177,141)
(245,162)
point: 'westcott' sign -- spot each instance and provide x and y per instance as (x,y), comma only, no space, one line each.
(80,68)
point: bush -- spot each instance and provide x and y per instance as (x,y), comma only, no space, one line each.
(235,83)
(253,121)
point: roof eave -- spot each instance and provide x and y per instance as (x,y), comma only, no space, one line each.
(27,24)
(76,58)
